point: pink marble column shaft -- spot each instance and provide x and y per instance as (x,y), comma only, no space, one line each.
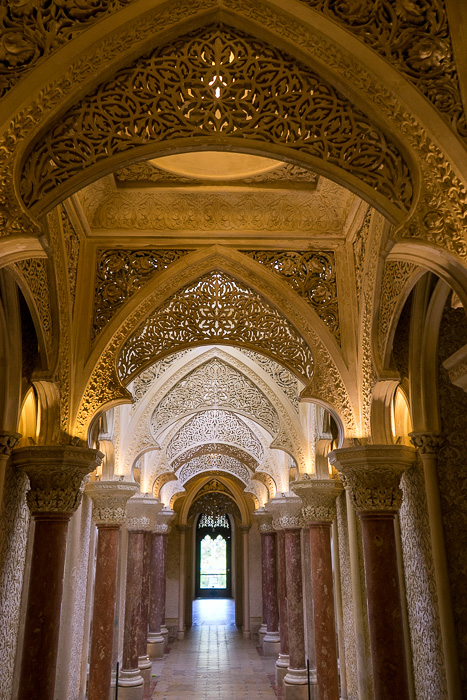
(105,591)
(40,646)
(144,610)
(323,611)
(294,599)
(134,576)
(282,588)
(270,580)
(158,583)
(384,606)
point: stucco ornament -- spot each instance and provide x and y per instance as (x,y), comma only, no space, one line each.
(214,462)
(109,500)
(286,512)
(372,474)
(264,520)
(318,498)
(8,442)
(141,513)
(163,520)
(427,443)
(56,475)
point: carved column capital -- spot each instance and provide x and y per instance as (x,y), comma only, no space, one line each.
(141,513)
(163,520)
(318,498)
(372,474)
(264,520)
(109,500)
(286,512)
(244,528)
(8,442)
(427,443)
(56,474)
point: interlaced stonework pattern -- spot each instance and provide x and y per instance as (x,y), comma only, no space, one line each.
(34,272)
(216,82)
(210,448)
(284,379)
(215,426)
(414,37)
(121,273)
(72,245)
(312,275)
(215,384)
(215,462)
(143,382)
(215,309)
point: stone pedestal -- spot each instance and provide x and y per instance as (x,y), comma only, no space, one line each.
(158,634)
(271,638)
(372,475)
(55,475)
(319,497)
(109,501)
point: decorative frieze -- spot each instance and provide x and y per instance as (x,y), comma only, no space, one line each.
(372,474)
(109,500)
(56,475)
(318,498)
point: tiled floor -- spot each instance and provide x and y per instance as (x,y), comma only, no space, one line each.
(214,662)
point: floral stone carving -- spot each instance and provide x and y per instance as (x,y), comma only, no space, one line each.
(214,462)
(142,513)
(109,500)
(318,497)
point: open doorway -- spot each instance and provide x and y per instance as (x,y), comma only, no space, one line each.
(213,557)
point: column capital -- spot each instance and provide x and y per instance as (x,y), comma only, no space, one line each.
(163,520)
(244,528)
(141,512)
(318,498)
(8,442)
(109,500)
(56,474)
(427,443)
(183,528)
(264,520)
(286,511)
(372,474)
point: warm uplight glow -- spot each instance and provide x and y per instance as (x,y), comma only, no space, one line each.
(400,419)
(216,165)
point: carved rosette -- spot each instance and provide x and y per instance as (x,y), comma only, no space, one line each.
(318,498)
(286,512)
(264,520)
(372,474)
(163,520)
(427,443)
(109,500)
(142,513)
(56,474)
(8,442)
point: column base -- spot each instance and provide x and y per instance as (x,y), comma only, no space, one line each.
(261,633)
(271,644)
(296,685)
(130,685)
(181,634)
(145,667)
(156,646)
(246,634)
(282,664)
(165,634)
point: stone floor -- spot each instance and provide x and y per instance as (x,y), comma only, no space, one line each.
(214,662)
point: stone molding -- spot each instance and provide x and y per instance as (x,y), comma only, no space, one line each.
(264,520)
(286,512)
(456,366)
(56,474)
(8,442)
(372,474)
(427,443)
(109,500)
(163,520)
(141,513)
(318,498)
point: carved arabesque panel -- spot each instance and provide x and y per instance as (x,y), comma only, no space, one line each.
(214,447)
(414,36)
(284,379)
(72,244)
(267,481)
(216,82)
(215,309)
(359,249)
(214,462)
(215,426)
(310,274)
(35,275)
(395,277)
(120,274)
(145,379)
(215,384)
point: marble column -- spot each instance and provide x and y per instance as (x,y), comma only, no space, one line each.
(156,642)
(55,475)
(319,511)
(136,668)
(428,445)
(372,474)
(245,530)
(283,660)
(271,639)
(109,500)
(182,582)
(287,516)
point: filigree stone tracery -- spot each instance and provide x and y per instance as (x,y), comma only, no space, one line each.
(120,274)
(72,245)
(215,309)
(396,275)
(284,379)
(213,426)
(35,275)
(214,462)
(210,448)
(109,500)
(318,497)
(310,274)
(145,379)
(215,384)
(211,83)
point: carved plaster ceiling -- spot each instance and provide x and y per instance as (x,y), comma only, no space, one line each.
(214,462)
(215,426)
(210,448)
(215,384)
